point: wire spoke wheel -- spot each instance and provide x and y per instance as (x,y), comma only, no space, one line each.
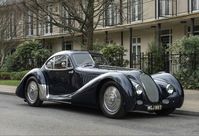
(112,99)
(32,92)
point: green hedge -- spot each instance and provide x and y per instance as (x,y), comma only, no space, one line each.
(5,76)
(12,75)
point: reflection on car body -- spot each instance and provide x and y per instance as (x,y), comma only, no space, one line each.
(84,78)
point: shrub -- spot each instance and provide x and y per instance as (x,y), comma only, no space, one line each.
(12,75)
(17,75)
(156,54)
(28,55)
(4,76)
(113,53)
(188,74)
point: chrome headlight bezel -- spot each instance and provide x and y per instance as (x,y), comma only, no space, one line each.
(170,89)
(139,89)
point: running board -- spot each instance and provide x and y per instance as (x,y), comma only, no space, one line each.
(59,97)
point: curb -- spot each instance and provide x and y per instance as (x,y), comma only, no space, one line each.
(184,112)
(7,93)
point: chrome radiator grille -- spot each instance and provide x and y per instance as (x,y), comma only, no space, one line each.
(150,88)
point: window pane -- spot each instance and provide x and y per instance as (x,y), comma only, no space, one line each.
(67,46)
(139,40)
(136,10)
(134,40)
(164,8)
(138,49)
(49,64)
(58,62)
(195,4)
(134,49)
(82,59)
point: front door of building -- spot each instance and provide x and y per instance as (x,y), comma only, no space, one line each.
(166,40)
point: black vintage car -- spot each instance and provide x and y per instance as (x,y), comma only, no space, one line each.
(83,78)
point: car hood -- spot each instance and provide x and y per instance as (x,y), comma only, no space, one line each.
(98,70)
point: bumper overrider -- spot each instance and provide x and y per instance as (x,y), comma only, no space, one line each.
(154,95)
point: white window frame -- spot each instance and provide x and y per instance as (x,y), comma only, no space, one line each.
(112,16)
(30,24)
(48,24)
(195,5)
(135,6)
(137,45)
(163,9)
(167,35)
(136,10)
(66,21)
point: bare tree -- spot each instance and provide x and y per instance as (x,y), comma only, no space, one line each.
(8,27)
(76,16)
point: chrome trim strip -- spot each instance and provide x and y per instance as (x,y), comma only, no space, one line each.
(59,97)
(43,93)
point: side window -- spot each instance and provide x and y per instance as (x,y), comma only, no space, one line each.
(59,62)
(50,63)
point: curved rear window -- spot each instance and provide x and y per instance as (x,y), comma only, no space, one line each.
(82,59)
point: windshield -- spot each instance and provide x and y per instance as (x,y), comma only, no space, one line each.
(99,59)
(83,59)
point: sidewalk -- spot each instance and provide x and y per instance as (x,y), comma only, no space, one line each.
(190,106)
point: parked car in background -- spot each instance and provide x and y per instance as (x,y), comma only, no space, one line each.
(83,78)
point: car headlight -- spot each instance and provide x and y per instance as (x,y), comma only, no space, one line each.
(170,88)
(139,89)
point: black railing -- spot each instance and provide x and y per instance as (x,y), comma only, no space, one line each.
(172,63)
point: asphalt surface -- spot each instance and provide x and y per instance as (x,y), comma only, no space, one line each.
(190,105)
(17,118)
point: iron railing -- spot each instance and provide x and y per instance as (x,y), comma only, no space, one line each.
(172,63)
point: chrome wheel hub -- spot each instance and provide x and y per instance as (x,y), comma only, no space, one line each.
(32,92)
(112,99)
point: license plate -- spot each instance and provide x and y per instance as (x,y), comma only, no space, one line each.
(154,107)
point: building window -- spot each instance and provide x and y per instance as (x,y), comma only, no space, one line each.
(165,7)
(30,23)
(195,5)
(136,10)
(67,45)
(196,30)
(65,19)
(112,15)
(136,49)
(166,38)
(49,47)
(10,31)
(48,24)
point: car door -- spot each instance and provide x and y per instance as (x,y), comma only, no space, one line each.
(59,72)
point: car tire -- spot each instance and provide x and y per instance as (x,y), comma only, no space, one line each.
(165,112)
(32,92)
(111,100)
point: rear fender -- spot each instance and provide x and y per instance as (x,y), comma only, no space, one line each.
(20,91)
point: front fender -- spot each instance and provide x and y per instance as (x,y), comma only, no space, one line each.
(90,90)
(20,91)
(162,79)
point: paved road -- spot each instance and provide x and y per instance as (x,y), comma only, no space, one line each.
(17,118)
